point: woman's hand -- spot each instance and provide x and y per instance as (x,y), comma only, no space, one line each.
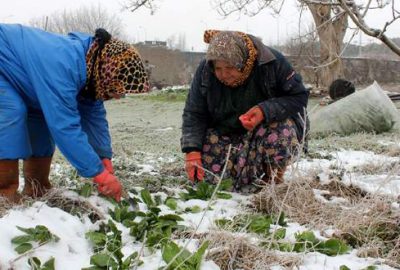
(108,185)
(193,166)
(252,118)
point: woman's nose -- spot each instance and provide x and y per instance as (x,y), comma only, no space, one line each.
(225,74)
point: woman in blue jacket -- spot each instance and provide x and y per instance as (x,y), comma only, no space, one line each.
(52,89)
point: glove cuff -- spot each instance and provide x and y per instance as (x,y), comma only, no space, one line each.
(108,165)
(195,155)
(258,107)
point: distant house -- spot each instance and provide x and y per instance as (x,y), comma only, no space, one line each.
(155,43)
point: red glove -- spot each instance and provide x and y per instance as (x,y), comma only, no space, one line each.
(193,166)
(252,118)
(108,185)
(108,165)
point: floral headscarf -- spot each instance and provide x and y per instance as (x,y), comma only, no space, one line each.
(234,47)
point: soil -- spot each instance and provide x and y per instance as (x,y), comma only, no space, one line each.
(146,140)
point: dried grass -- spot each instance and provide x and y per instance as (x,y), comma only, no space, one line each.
(374,168)
(56,198)
(393,151)
(72,205)
(338,189)
(5,205)
(364,141)
(300,203)
(374,226)
(393,256)
(232,252)
(363,221)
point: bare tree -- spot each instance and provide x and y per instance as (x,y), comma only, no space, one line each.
(134,5)
(182,42)
(331,23)
(177,42)
(357,17)
(84,19)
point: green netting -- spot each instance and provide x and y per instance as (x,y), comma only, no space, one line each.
(368,110)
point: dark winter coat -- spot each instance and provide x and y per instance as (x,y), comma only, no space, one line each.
(273,85)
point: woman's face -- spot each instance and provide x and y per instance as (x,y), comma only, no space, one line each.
(226,73)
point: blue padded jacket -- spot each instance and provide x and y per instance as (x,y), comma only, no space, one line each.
(48,70)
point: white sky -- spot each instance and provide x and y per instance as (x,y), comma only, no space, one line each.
(185,17)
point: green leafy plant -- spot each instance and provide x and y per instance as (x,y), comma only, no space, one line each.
(85,190)
(370,267)
(107,245)
(259,224)
(306,241)
(155,227)
(194,209)
(226,185)
(122,214)
(171,203)
(332,247)
(151,227)
(36,264)
(279,234)
(204,191)
(147,199)
(185,260)
(255,223)
(166,95)
(39,234)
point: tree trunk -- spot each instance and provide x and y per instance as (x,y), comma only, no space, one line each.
(331,33)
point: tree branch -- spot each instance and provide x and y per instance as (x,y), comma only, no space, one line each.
(134,5)
(359,21)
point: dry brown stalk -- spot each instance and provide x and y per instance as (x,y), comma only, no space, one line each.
(57,198)
(300,204)
(339,189)
(72,205)
(233,252)
(5,205)
(374,226)
(367,222)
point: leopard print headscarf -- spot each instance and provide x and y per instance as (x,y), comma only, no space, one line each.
(234,47)
(117,69)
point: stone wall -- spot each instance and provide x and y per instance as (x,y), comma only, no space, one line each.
(358,70)
(169,67)
(173,67)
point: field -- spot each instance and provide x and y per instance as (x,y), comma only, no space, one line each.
(338,209)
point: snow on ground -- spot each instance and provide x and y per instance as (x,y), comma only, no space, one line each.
(73,250)
(347,161)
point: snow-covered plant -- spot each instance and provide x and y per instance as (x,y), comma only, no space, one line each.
(153,228)
(39,234)
(107,245)
(36,264)
(178,259)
